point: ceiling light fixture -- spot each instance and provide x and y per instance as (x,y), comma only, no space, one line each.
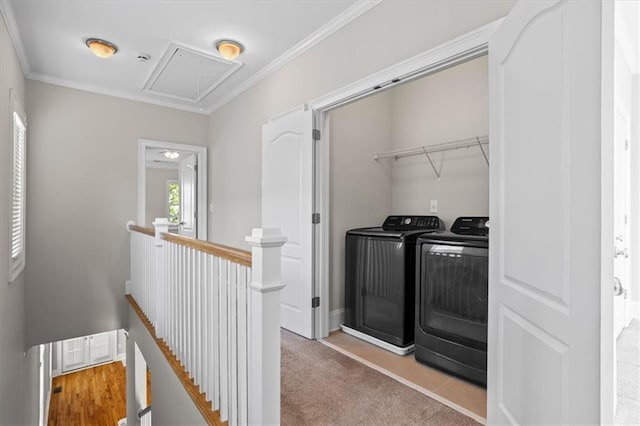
(101,48)
(171,155)
(229,49)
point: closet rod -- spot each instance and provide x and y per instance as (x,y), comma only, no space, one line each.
(477,141)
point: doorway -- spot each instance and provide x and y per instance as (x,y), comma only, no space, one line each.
(172,183)
(626,215)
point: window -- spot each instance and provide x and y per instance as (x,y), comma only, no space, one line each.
(173,201)
(18,186)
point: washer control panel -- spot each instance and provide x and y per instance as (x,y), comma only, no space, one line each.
(409,223)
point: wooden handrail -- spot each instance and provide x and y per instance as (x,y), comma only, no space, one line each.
(243,257)
(199,399)
(142,230)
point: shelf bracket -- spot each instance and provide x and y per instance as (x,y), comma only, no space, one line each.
(484,154)
(431,162)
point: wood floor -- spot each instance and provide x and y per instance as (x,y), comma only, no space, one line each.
(95,396)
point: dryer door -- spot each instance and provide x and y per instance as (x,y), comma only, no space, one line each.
(452,294)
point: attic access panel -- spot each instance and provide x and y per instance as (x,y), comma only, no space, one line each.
(187,74)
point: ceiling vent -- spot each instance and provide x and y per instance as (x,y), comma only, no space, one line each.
(188,74)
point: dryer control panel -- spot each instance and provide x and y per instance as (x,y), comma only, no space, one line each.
(410,223)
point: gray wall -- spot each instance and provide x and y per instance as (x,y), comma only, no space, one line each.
(15,368)
(366,45)
(171,403)
(360,188)
(156,193)
(81,192)
(442,107)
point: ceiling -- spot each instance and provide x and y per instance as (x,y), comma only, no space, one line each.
(49,38)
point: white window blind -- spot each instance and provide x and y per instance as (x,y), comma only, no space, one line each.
(18,187)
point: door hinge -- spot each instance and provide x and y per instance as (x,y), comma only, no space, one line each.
(626,144)
(195,167)
(315,302)
(316,134)
(315,218)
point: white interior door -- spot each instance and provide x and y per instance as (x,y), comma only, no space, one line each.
(621,217)
(188,175)
(545,208)
(74,353)
(101,348)
(287,203)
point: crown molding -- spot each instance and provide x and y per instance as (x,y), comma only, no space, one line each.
(12,27)
(350,14)
(43,78)
(353,12)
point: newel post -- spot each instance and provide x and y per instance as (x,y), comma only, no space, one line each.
(264,326)
(161,225)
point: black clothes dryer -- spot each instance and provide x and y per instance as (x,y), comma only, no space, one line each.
(451,299)
(380,280)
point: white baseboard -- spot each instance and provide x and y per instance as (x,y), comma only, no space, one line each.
(336,318)
(127,287)
(55,373)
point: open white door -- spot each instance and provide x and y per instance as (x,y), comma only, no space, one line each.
(287,204)
(545,208)
(188,174)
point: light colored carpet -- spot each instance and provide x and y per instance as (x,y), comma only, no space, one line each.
(628,374)
(321,386)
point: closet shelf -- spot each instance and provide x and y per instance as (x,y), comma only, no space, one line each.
(475,141)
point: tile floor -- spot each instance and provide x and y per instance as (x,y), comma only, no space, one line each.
(628,375)
(461,393)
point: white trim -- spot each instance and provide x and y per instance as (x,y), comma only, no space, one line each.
(353,12)
(456,51)
(12,28)
(43,78)
(377,342)
(607,342)
(201,152)
(336,318)
(122,358)
(127,287)
(407,383)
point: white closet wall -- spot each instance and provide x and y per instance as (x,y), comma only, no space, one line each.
(360,188)
(442,107)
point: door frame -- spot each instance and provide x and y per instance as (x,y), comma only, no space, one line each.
(461,49)
(201,153)
(458,50)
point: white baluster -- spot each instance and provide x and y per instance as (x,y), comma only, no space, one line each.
(224,343)
(242,283)
(214,323)
(233,343)
(264,326)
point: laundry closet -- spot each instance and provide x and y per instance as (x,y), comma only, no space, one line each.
(371,178)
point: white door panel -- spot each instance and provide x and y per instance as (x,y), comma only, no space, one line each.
(544,292)
(287,204)
(74,353)
(101,348)
(188,197)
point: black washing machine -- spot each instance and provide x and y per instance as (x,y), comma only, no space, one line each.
(452,299)
(380,281)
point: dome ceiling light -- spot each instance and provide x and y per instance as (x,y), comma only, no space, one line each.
(101,48)
(229,49)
